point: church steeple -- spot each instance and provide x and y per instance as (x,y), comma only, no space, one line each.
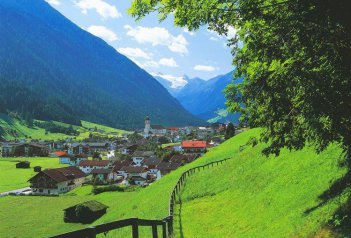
(147,127)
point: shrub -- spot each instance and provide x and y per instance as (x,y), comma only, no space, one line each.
(111,188)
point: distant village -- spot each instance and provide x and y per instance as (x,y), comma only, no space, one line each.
(140,158)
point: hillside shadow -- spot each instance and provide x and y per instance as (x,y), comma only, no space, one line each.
(335,190)
(340,222)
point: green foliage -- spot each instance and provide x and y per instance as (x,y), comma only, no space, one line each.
(295,57)
(56,128)
(135,137)
(230,131)
(110,188)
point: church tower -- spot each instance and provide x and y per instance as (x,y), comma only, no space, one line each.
(147,127)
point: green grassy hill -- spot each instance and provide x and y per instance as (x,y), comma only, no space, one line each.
(249,196)
(12,128)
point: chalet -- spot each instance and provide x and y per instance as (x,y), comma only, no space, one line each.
(183,158)
(137,180)
(30,150)
(203,132)
(88,165)
(166,167)
(56,181)
(99,147)
(128,150)
(194,147)
(73,160)
(7,149)
(118,164)
(78,148)
(55,146)
(133,171)
(23,165)
(139,156)
(217,126)
(103,176)
(151,162)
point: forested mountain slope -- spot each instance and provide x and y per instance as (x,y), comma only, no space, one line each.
(51,69)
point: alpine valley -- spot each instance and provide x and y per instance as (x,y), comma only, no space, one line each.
(51,69)
(203,98)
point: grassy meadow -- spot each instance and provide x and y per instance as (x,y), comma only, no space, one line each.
(11,128)
(249,196)
(12,178)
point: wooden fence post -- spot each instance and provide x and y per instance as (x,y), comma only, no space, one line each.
(92,232)
(135,229)
(154,231)
(164,230)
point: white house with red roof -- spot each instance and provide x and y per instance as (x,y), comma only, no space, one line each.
(194,147)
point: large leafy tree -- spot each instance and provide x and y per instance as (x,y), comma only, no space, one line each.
(295,56)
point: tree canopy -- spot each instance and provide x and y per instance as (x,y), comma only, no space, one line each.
(295,57)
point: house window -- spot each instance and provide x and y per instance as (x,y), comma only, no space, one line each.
(40,190)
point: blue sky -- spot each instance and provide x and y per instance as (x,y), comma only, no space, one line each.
(156,47)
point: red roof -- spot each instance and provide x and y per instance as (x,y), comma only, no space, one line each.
(60,153)
(173,129)
(194,144)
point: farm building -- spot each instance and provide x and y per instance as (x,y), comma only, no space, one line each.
(85,212)
(23,165)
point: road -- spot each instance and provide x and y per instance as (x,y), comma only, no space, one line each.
(20,190)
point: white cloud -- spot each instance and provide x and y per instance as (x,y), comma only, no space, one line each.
(170,62)
(54,2)
(207,68)
(134,52)
(177,82)
(150,64)
(231,32)
(158,36)
(189,32)
(103,32)
(103,8)
(214,38)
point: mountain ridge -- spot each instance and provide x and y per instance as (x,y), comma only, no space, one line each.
(47,54)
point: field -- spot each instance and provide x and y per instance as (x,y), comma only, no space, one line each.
(12,178)
(255,196)
(249,196)
(11,128)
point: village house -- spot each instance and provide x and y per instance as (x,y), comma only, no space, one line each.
(78,148)
(54,146)
(72,160)
(167,167)
(88,147)
(204,132)
(128,150)
(132,171)
(103,176)
(56,181)
(99,147)
(139,156)
(88,165)
(7,149)
(30,150)
(183,158)
(150,164)
(194,147)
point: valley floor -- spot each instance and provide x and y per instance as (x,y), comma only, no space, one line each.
(248,196)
